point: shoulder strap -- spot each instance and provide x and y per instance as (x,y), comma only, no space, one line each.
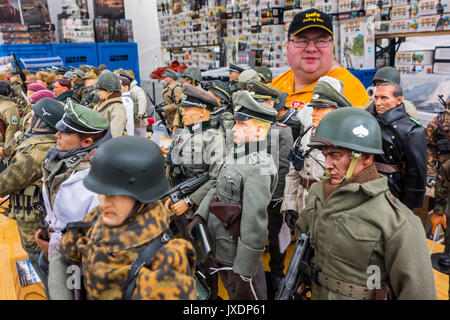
(141,260)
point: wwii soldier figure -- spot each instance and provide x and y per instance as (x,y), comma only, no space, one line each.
(78,84)
(390,74)
(22,179)
(362,236)
(9,114)
(221,116)
(348,53)
(17,90)
(438,151)
(279,143)
(192,76)
(172,95)
(129,224)
(235,210)
(80,131)
(308,165)
(89,97)
(139,98)
(404,159)
(110,106)
(233,75)
(63,90)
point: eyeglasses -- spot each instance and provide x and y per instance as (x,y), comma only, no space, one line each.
(303,43)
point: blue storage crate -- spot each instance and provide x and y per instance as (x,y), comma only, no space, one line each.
(117,55)
(27,50)
(76,54)
(365,76)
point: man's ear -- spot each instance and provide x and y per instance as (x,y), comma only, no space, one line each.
(367,159)
(86,142)
(399,100)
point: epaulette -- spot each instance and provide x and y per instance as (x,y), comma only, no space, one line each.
(415,121)
(28,148)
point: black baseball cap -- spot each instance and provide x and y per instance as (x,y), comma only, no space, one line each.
(311,18)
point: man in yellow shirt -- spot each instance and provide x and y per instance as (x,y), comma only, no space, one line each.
(309,50)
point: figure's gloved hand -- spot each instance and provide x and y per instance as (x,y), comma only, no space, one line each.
(431,181)
(192,225)
(290,217)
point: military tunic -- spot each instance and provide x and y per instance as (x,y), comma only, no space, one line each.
(248,176)
(9,115)
(360,227)
(198,149)
(22,181)
(404,146)
(298,182)
(172,95)
(106,254)
(89,97)
(114,111)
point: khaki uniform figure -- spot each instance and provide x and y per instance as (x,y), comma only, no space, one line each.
(9,114)
(235,210)
(327,96)
(192,76)
(131,222)
(363,238)
(110,105)
(172,95)
(22,179)
(438,151)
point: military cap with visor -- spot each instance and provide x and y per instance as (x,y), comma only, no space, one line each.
(265,73)
(262,92)
(197,97)
(311,18)
(219,88)
(329,92)
(246,76)
(81,119)
(68,75)
(246,108)
(170,74)
(123,73)
(236,68)
(90,75)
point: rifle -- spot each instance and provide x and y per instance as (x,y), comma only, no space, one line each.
(182,191)
(298,269)
(441,100)
(22,75)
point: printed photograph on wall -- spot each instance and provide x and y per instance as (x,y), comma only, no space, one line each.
(112,9)
(9,11)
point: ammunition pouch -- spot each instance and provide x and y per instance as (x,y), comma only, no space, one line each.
(297,158)
(22,204)
(230,215)
(443,145)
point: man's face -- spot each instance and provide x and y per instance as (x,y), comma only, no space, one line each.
(77,79)
(245,131)
(31,78)
(310,60)
(185,80)
(90,82)
(318,114)
(192,115)
(384,99)
(59,89)
(167,80)
(234,76)
(115,209)
(67,141)
(337,161)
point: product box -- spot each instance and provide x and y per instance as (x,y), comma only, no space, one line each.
(399,26)
(424,57)
(401,13)
(427,7)
(404,58)
(441,67)
(442,53)
(428,23)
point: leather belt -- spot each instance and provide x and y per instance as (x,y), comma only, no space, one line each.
(347,289)
(387,168)
(306,183)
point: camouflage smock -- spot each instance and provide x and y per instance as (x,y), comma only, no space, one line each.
(106,254)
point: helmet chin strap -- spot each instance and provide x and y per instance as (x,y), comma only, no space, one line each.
(355,157)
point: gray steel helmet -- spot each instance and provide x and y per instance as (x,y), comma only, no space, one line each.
(49,110)
(265,73)
(350,128)
(192,73)
(108,81)
(387,74)
(128,166)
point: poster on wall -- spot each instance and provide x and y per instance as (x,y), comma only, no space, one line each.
(357,44)
(35,12)
(112,9)
(9,11)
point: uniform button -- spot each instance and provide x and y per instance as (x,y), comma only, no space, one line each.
(390,157)
(390,176)
(395,126)
(308,165)
(391,147)
(393,137)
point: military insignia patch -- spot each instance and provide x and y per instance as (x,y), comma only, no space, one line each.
(14,120)
(360,131)
(73,160)
(28,148)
